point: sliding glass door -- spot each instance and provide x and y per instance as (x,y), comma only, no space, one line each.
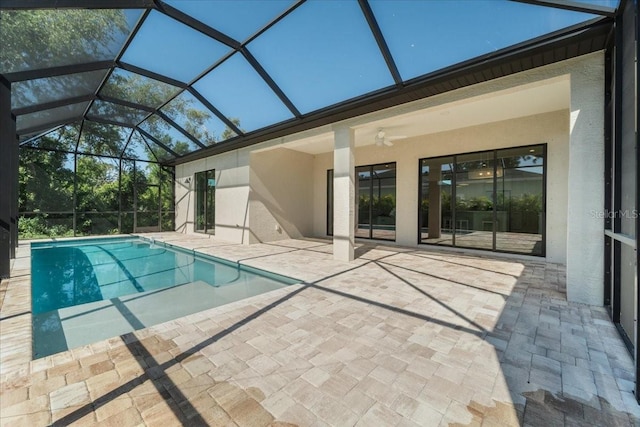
(376,201)
(205,201)
(490,200)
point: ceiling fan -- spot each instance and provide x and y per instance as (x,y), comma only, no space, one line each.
(382,139)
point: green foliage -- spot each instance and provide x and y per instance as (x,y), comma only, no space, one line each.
(481,203)
(527,203)
(97,184)
(29,228)
(99,138)
(37,227)
(49,191)
(33,39)
(524,203)
(382,206)
(47,184)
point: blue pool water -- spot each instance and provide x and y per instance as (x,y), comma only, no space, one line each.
(90,289)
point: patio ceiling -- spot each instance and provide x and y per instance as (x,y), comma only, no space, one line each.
(524,100)
(178,80)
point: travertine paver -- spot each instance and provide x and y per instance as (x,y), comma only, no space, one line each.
(400,336)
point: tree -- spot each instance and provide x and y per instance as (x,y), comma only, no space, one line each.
(46,185)
(35,39)
(46,177)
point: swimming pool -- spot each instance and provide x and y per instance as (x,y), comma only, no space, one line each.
(87,290)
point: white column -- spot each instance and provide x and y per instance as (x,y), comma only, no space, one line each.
(343,195)
(585,228)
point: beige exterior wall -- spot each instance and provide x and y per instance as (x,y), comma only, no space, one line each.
(276,190)
(232,195)
(281,195)
(550,128)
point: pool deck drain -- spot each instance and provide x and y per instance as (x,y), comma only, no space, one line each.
(400,336)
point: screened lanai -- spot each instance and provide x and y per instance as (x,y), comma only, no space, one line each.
(107,98)
(116,114)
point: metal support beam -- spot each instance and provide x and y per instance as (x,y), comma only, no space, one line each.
(74,4)
(7,176)
(151,75)
(40,135)
(19,76)
(53,104)
(83,153)
(46,127)
(14,183)
(270,82)
(189,21)
(574,6)
(274,21)
(160,144)
(126,103)
(144,140)
(109,122)
(382,43)
(636,12)
(215,111)
(124,149)
(180,129)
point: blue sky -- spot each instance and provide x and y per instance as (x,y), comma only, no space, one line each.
(324,53)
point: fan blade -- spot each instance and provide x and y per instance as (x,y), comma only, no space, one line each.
(387,142)
(393,138)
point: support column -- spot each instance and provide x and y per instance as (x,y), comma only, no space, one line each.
(585,245)
(343,195)
(8,145)
(15,153)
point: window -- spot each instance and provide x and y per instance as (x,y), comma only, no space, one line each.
(493,200)
(205,201)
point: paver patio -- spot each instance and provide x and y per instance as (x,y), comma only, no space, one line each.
(400,337)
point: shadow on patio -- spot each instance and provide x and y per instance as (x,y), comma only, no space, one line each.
(402,336)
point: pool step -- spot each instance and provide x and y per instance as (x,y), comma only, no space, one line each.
(72,327)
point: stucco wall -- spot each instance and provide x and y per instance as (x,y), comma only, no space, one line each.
(550,128)
(254,193)
(232,195)
(585,259)
(281,195)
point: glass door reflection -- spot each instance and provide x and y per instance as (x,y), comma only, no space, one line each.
(436,214)
(520,200)
(376,201)
(474,199)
